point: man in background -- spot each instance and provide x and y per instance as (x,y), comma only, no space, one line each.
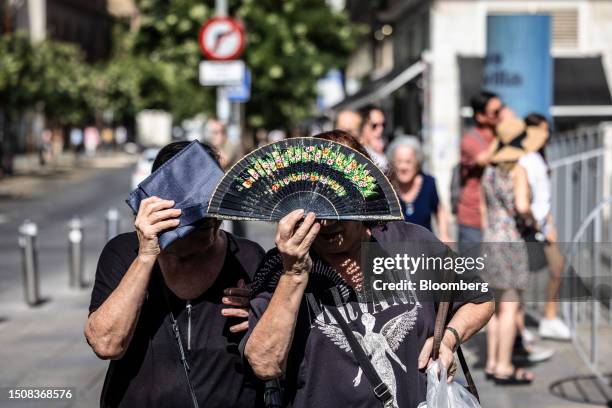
(371,135)
(229,151)
(487,109)
(349,121)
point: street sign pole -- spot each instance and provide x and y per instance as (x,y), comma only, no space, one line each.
(223,104)
(221,8)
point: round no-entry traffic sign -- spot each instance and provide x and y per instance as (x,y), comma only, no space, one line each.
(221,38)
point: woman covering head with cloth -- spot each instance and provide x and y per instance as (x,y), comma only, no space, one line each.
(309,290)
(416,190)
(168,303)
(505,209)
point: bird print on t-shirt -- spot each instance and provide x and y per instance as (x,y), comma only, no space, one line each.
(377,346)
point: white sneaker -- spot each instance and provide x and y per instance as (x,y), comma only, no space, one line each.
(538,354)
(554,329)
(528,337)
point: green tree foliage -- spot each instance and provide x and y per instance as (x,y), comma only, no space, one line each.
(48,72)
(290,44)
(167,40)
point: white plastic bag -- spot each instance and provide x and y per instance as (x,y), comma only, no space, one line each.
(441,394)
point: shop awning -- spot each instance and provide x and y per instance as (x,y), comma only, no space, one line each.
(381,88)
(580,89)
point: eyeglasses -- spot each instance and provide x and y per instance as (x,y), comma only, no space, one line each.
(374,125)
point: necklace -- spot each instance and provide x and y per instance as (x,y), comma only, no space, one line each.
(409,208)
(410,204)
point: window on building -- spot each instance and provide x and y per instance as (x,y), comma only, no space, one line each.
(564,28)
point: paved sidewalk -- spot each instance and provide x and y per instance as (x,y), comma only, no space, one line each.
(564,364)
(31,178)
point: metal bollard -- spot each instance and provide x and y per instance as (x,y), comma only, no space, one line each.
(112,223)
(28,231)
(75,252)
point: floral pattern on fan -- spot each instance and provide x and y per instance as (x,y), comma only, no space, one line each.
(330,155)
(309,173)
(307,176)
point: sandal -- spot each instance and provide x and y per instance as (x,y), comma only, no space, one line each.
(518,377)
(489,375)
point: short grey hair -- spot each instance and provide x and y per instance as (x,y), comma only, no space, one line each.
(406,141)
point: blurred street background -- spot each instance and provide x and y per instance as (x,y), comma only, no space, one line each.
(90,90)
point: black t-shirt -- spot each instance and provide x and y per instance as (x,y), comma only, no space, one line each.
(321,369)
(150,374)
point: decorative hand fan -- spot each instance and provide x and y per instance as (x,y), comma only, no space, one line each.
(318,175)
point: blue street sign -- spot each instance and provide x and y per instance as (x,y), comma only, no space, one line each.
(518,65)
(240,93)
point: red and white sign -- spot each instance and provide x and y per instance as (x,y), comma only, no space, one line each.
(221,38)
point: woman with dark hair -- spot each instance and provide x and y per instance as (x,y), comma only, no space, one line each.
(313,278)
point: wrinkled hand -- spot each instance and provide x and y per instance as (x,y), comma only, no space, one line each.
(294,244)
(446,358)
(154,216)
(237,302)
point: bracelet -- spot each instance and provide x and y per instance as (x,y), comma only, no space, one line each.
(457,338)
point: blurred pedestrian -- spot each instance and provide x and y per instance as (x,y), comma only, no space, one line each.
(371,135)
(145,300)
(121,135)
(76,138)
(57,143)
(476,152)
(92,140)
(551,326)
(229,151)
(261,138)
(417,191)
(505,208)
(108,138)
(276,135)
(44,148)
(349,121)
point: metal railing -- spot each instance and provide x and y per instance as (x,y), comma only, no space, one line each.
(580,178)
(589,308)
(576,161)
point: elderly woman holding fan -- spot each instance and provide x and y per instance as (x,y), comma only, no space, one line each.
(312,322)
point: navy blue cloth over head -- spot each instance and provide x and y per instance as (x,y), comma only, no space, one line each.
(189,178)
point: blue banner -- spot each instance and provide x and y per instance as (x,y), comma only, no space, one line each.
(518,64)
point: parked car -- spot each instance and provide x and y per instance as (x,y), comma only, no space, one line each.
(143,167)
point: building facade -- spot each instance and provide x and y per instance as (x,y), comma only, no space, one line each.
(438,51)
